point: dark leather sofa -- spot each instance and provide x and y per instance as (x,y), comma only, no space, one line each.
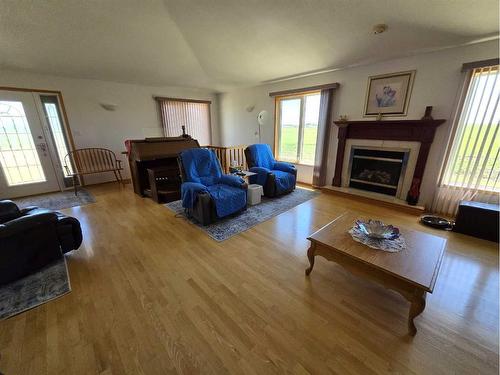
(33,237)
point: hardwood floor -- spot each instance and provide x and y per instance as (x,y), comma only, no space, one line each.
(153,294)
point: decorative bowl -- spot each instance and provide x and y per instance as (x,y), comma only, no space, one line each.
(377,229)
(437,222)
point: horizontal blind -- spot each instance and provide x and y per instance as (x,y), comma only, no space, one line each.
(195,116)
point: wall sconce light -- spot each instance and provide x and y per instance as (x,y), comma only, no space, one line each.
(108,106)
(250,108)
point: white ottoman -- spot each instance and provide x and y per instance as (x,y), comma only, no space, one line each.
(254,193)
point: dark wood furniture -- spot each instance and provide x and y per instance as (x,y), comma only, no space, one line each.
(164,184)
(411,272)
(153,166)
(393,130)
(478,219)
(84,161)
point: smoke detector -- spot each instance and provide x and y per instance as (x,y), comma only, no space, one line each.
(379,28)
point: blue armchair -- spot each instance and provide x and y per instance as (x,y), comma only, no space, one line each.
(276,177)
(208,194)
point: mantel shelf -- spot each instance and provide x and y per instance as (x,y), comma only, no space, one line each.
(429,122)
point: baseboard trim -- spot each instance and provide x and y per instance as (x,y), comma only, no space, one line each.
(125,181)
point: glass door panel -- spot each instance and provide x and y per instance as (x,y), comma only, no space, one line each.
(290,113)
(25,164)
(310,129)
(60,143)
(18,156)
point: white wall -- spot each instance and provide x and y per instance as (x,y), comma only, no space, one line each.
(437,83)
(136,115)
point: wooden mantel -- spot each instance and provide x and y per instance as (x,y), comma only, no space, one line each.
(388,130)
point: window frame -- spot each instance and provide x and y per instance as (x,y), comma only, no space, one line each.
(160,100)
(277,125)
(456,129)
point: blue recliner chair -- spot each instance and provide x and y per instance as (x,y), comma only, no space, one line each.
(208,194)
(276,177)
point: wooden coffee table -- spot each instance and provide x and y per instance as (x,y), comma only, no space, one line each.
(411,272)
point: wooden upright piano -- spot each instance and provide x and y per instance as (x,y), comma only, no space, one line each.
(153,166)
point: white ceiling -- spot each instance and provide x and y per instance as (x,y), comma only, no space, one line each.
(224,43)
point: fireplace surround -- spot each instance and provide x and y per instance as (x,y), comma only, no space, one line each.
(421,131)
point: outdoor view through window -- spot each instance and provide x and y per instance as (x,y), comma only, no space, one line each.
(298,127)
(474,160)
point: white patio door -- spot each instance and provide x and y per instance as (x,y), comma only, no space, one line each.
(26,166)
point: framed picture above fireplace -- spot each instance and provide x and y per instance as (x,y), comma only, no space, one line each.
(389,94)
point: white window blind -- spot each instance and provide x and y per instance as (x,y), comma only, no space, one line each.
(194,115)
(472,170)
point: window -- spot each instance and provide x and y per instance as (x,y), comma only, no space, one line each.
(474,160)
(193,114)
(58,134)
(297,127)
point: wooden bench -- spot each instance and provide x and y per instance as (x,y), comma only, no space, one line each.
(86,161)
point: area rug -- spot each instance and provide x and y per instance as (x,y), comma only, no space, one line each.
(267,209)
(57,201)
(34,290)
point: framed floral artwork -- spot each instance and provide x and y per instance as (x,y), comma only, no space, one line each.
(389,94)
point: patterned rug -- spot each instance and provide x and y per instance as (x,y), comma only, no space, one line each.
(57,201)
(47,284)
(267,209)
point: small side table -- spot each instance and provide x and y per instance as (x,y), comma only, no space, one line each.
(245,174)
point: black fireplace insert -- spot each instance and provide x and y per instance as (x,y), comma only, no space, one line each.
(377,170)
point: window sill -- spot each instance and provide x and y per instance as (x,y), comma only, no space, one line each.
(294,163)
